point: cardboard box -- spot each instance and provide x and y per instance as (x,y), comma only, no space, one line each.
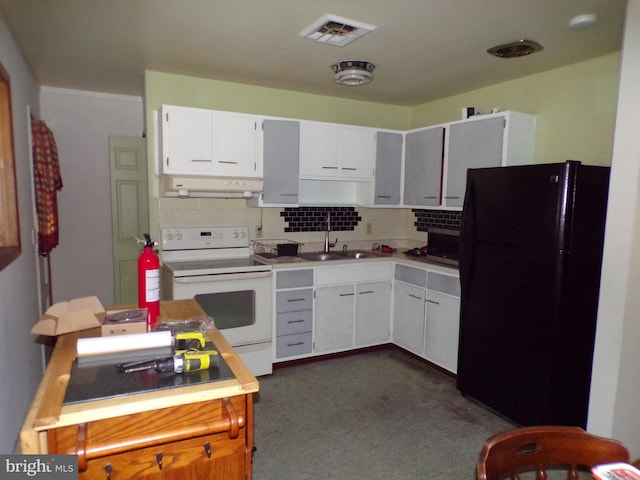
(71,316)
(124,322)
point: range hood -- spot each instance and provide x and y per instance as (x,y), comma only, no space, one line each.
(185,186)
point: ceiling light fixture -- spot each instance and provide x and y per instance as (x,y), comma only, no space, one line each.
(353,72)
(520,48)
(581,22)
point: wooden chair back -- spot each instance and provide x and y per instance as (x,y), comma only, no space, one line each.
(539,449)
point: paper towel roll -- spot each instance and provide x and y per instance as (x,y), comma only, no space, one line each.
(123,343)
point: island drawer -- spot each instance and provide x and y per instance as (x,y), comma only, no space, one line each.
(293,345)
(293,322)
(294,300)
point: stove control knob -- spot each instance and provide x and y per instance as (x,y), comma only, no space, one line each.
(178,236)
(235,234)
(169,237)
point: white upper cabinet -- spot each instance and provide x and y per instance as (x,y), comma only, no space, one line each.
(423,167)
(206,142)
(187,140)
(237,145)
(496,140)
(356,152)
(336,152)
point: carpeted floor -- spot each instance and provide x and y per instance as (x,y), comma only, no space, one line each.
(374,415)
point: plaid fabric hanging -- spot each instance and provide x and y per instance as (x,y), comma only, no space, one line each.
(48,181)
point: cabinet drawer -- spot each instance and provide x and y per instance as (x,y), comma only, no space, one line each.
(293,322)
(444,284)
(413,276)
(294,300)
(293,345)
(294,278)
(151,430)
(215,457)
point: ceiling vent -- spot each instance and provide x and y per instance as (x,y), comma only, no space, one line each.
(353,72)
(337,31)
(520,48)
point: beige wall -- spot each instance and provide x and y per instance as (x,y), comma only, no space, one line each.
(575,108)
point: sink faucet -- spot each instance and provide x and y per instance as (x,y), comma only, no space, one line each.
(327,244)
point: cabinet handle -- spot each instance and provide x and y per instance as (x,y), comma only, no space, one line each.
(295,344)
(288,194)
(296,299)
(301,320)
(159,460)
(201,160)
(346,294)
(415,296)
(107,470)
(227,162)
(453,198)
(207,449)
(431,197)
(367,292)
(81,447)
(330,168)
(383,196)
(351,169)
(431,301)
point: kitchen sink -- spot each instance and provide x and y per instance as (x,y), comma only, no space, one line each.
(321,256)
(340,255)
(358,254)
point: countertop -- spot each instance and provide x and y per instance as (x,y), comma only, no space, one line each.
(397,257)
(45,415)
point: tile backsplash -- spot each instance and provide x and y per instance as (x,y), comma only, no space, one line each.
(356,223)
(436,219)
(314,219)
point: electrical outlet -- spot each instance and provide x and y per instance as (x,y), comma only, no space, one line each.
(258,231)
(369,228)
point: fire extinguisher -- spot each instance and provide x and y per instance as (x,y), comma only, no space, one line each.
(149,281)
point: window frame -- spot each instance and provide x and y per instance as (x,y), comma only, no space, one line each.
(10,245)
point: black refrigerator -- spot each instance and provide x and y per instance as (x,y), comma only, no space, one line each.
(530,259)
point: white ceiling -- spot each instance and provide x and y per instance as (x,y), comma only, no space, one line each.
(423,49)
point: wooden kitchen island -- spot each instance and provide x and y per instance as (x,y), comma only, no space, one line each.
(198,431)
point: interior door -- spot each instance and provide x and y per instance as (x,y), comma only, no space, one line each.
(129,212)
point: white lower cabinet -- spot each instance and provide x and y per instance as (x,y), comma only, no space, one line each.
(426,315)
(373,307)
(441,330)
(324,310)
(334,310)
(408,317)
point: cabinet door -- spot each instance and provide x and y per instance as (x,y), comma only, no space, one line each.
(187,141)
(423,167)
(441,330)
(373,310)
(388,175)
(356,153)
(236,145)
(408,317)
(334,309)
(472,144)
(318,150)
(281,153)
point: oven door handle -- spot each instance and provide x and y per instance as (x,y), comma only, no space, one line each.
(223,277)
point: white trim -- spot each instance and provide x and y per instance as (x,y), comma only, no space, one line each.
(110,96)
